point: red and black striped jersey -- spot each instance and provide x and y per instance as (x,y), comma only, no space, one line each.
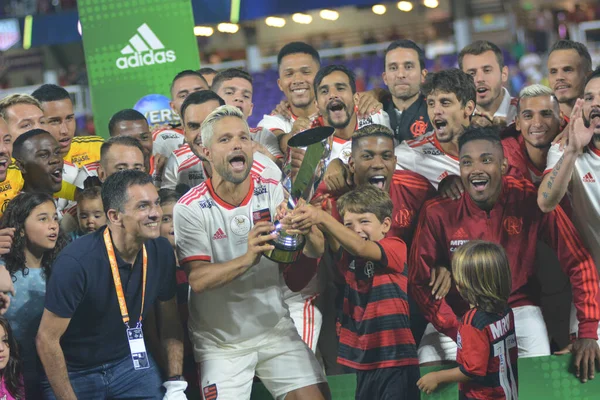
(487,353)
(375,328)
(516,223)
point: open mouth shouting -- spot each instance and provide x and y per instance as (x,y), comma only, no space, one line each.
(595,118)
(482,91)
(57,174)
(238,163)
(336,109)
(52,237)
(479,183)
(378,181)
(440,125)
(4,163)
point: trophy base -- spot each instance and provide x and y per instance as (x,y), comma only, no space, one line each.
(284,255)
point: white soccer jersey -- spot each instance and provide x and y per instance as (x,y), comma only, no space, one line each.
(266,138)
(209,229)
(277,122)
(166,140)
(424,155)
(584,190)
(85,172)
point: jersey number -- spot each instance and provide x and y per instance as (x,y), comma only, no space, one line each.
(505,372)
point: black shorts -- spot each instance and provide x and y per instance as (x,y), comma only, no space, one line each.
(397,383)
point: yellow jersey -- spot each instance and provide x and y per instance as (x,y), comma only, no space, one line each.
(84,150)
(11,187)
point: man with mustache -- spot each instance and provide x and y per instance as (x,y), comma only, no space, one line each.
(222,227)
(501,209)
(569,63)
(484,61)
(576,169)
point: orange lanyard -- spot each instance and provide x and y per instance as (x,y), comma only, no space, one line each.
(117,278)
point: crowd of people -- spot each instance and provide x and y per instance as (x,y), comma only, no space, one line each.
(136,267)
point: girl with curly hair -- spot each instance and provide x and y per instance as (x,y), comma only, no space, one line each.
(37,241)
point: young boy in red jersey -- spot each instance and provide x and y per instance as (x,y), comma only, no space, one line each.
(375,335)
(487,345)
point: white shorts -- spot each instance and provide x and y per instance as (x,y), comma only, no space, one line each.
(307,318)
(530,328)
(282,361)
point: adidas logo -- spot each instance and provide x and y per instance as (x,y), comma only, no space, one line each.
(460,234)
(219,234)
(589,178)
(443,175)
(143,49)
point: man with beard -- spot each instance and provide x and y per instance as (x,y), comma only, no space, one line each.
(168,139)
(569,63)
(187,165)
(235,87)
(503,210)
(38,156)
(403,75)
(484,61)
(450,96)
(222,227)
(576,169)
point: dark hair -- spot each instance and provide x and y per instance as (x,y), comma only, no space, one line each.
(49,92)
(366,199)
(90,193)
(207,71)
(489,133)
(187,72)
(229,74)
(114,189)
(12,372)
(593,75)
(17,211)
(479,47)
(406,44)
(201,97)
(298,47)
(373,130)
(168,196)
(328,70)
(451,80)
(578,47)
(128,114)
(127,141)
(20,141)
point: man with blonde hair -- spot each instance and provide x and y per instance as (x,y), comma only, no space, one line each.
(222,227)
(22,113)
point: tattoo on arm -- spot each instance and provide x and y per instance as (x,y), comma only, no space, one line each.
(555,172)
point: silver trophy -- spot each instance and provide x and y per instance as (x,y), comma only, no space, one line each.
(318,149)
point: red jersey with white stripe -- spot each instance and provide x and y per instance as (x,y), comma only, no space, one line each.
(584,192)
(487,353)
(167,140)
(209,229)
(516,223)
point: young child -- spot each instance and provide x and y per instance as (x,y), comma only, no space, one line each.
(375,337)
(11,385)
(487,345)
(90,211)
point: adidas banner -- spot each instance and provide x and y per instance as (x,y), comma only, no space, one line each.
(133,49)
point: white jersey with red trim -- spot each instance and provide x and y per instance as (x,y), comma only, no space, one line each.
(267,139)
(85,172)
(508,107)
(276,122)
(584,190)
(209,229)
(425,156)
(166,140)
(70,172)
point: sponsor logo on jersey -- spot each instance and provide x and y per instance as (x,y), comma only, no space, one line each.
(589,178)
(219,234)
(169,136)
(195,176)
(79,159)
(513,225)
(365,121)
(144,48)
(458,341)
(206,203)
(432,152)
(260,189)
(5,187)
(458,239)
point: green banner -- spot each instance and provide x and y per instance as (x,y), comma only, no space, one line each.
(133,49)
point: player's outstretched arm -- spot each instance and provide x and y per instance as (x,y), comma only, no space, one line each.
(432,380)
(203,275)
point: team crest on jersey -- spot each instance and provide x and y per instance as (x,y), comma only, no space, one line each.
(261,215)
(240,225)
(80,159)
(260,189)
(418,128)
(369,269)
(210,392)
(404,217)
(206,203)
(513,225)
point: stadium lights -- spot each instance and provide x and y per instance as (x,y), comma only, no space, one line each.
(302,18)
(227,27)
(405,6)
(203,31)
(329,15)
(431,3)
(379,9)
(275,22)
